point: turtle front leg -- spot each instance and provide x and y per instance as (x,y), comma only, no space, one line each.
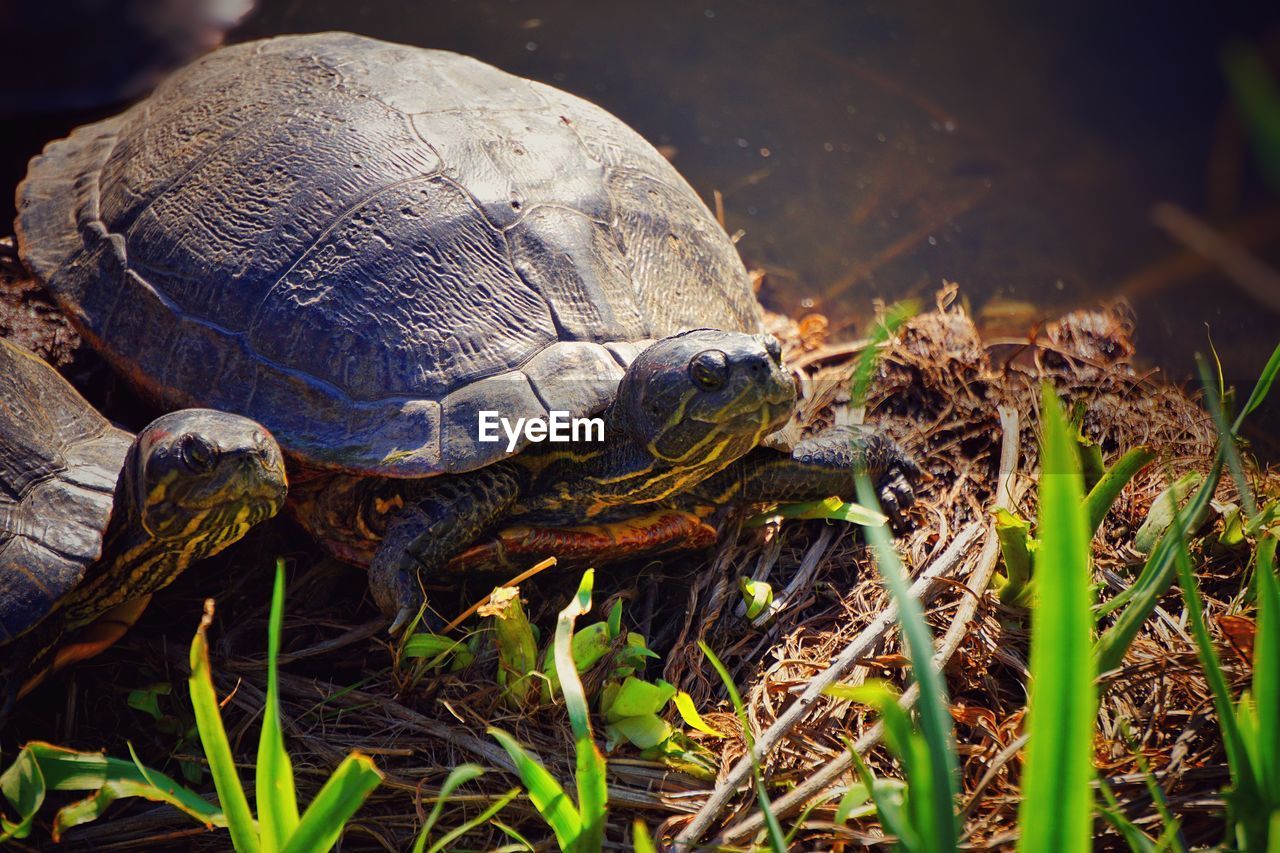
(819,467)
(448,515)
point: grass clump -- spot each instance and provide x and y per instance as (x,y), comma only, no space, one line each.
(41,768)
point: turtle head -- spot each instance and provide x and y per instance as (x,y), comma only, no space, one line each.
(198,479)
(703,398)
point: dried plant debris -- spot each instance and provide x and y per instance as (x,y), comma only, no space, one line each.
(938,390)
(29,316)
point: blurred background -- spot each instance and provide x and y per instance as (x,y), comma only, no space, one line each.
(1043,156)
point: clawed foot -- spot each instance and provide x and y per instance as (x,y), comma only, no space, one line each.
(397,594)
(895,487)
(393,575)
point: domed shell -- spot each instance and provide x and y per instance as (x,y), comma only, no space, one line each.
(362,245)
(59,461)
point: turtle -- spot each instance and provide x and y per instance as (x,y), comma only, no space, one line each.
(370,247)
(93,520)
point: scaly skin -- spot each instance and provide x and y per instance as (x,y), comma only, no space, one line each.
(820,467)
(682,434)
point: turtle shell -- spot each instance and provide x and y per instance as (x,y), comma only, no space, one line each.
(59,462)
(362,244)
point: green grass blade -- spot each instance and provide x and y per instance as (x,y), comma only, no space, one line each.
(459,775)
(1158,573)
(1170,839)
(277,800)
(546,794)
(213,736)
(340,798)
(910,749)
(1266,675)
(1260,388)
(1210,662)
(479,820)
(865,367)
(1156,577)
(1138,841)
(1244,800)
(942,829)
(1226,438)
(1057,804)
(589,765)
(522,844)
(777,840)
(1107,489)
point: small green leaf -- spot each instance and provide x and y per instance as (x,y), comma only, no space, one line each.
(615,619)
(637,697)
(854,797)
(1014,535)
(689,713)
(1162,510)
(438,650)
(147,701)
(756,595)
(643,730)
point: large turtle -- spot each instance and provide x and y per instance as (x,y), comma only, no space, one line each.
(366,245)
(93,520)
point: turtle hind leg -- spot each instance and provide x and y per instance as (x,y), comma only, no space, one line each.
(448,515)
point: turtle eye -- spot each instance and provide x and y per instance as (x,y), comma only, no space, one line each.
(709,369)
(197,453)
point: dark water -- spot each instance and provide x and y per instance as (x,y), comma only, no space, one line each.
(873,149)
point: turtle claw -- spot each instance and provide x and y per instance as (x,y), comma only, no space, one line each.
(896,490)
(403,618)
(393,580)
(896,497)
